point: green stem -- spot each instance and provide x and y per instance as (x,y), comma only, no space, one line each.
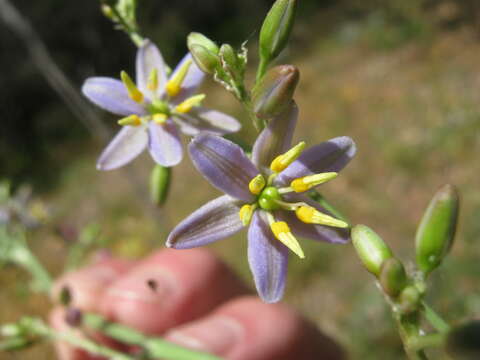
(262,68)
(425,341)
(434,319)
(130,30)
(408,326)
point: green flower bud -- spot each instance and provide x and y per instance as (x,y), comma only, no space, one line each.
(273,94)
(159,184)
(371,249)
(462,342)
(230,61)
(195,38)
(436,230)
(393,278)
(206,60)
(409,300)
(16,344)
(276,29)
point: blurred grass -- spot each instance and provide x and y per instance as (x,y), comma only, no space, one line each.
(408,96)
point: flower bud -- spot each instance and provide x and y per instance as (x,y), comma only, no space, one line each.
(195,38)
(207,61)
(436,230)
(230,61)
(409,300)
(370,248)
(276,29)
(393,278)
(462,342)
(159,184)
(274,92)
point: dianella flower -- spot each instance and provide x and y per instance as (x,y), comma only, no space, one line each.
(267,194)
(155,108)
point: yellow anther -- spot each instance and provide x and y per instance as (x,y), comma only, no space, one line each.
(160,119)
(310,215)
(282,232)
(135,94)
(308,182)
(246,213)
(174,85)
(132,120)
(152,83)
(282,161)
(187,105)
(257,184)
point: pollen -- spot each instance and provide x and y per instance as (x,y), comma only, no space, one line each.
(246,213)
(282,232)
(174,85)
(160,119)
(187,105)
(135,94)
(308,182)
(132,120)
(152,83)
(281,162)
(310,215)
(257,184)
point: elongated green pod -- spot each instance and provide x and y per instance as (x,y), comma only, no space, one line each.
(159,184)
(393,277)
(370,247)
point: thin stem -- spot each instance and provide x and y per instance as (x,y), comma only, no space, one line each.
(434,319)
(262,68)
(130,30)
(425,341)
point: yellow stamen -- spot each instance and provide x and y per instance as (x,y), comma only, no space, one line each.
(282,161)
(135,94)
(160,119)
(174,85)
(257,184)
(132,120)
(282,232)
(246,213)
(310,215)
(187,105)
(152,83)
(308,182)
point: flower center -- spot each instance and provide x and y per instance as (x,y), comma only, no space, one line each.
(268,198)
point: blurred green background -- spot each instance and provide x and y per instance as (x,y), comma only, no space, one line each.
(400,77)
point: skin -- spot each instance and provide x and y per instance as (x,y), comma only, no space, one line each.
(197,302)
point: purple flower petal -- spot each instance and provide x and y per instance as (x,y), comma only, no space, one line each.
(214,221)
(125,146)
(329,156)
(192,81)
(201,119)
(224,164)
(268,259)
(149,58)
(111,95)
(276,138)
(164,143)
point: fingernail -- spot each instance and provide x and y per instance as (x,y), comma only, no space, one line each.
(216,334)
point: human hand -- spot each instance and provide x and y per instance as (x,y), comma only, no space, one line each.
(193,299)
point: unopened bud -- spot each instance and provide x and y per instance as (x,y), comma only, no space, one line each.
(231,62)
(195,38)
(159,184)
(274,92)
(207,61)
(371,249)
(107,11)
(276,29)
(436,230)
(409,300)
(462,342)
(393,278)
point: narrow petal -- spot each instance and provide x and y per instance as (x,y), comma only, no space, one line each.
(192,81)
(214,221)
(224,164)
(149,58)
(111,95)
(125,146)
(330,156)
(276,138)
(268,259)
(164,143)
(202,119)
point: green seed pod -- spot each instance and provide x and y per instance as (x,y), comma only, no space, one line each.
(462,342)
(159,184)
(393,277)
(371,249)
(409,300)
(207,61)
(273,94)
(276,29)
(436,230)
(195,38)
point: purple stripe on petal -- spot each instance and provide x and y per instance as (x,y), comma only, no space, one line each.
(214,221)
(192,81)
(276,138)
(268,259)
(164,143)
(111,95)
(332,155)
(125,146)
(149,58)
(224,164)
(202,119)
